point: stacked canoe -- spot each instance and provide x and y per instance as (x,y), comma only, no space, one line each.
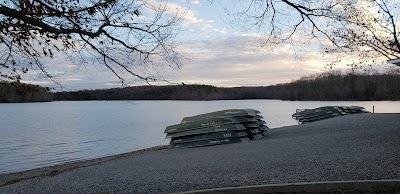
(325,112)
(221,127)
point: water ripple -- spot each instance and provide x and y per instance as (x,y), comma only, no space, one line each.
(45,134)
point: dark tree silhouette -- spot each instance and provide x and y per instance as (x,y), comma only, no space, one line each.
(20,92)
(332,85)
(367,29)
(119,34)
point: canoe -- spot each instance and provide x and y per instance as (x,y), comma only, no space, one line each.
(202,137)
(219,127)
(210,142)
(211,122)
(325,112)
(228,113)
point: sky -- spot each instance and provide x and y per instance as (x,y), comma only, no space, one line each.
(217,53)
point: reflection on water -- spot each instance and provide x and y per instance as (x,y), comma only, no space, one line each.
(41,134)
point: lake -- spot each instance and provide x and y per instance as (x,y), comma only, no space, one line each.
(36,135)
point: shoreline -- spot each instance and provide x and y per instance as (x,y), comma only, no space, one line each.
(15,177)
(348,148)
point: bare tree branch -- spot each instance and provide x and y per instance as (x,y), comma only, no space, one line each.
(123,33)
(364,28)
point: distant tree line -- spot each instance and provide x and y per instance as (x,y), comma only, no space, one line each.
(337,86)
(326,86)
(19,92)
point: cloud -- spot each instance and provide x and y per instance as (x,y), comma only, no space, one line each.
(236,61)
(189,17)
(232,59)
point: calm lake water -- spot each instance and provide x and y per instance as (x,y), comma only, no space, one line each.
(35,135)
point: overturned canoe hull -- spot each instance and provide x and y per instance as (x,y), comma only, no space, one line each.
(311,115)
(210,142)
(223,113)
(215,128)
(211,122)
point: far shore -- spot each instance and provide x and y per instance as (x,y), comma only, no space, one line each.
(347,148)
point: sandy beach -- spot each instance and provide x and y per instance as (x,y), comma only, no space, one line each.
(354,147)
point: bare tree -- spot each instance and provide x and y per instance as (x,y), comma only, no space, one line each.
(368,29)
(119,34)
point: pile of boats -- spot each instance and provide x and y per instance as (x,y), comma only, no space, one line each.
(325,112)
(221,127)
